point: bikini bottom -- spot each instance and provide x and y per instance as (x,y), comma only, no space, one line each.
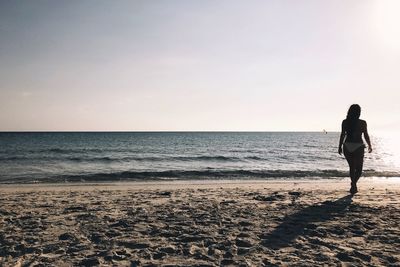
(351,147)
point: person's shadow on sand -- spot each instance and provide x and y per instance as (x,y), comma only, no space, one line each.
(301,223)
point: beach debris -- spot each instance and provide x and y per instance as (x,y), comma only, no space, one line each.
(274,197)
(165,193)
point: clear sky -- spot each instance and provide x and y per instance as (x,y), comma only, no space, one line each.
(198,65)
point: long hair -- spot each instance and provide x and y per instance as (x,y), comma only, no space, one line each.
(352,118)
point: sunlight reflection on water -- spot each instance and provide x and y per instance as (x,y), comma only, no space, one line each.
(386,147)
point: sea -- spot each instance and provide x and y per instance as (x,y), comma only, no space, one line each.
(81,157)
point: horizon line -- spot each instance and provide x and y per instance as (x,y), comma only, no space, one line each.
(163,131)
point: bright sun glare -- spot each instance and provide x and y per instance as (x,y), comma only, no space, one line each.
(387,23)
(389,147)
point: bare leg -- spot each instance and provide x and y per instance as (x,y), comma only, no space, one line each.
(350,160)
(358,164)
(355,161)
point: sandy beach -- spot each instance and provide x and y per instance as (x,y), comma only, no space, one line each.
(201,223)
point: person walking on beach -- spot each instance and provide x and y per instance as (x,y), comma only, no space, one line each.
(353,146)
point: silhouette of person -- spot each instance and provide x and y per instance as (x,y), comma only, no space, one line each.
(353,146)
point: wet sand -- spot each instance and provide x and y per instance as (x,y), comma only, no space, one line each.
(252,223)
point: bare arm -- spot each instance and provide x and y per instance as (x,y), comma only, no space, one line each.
(342,135)
(366,136)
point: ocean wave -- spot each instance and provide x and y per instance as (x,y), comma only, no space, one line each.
(129,158)
(199,175)
(67,151)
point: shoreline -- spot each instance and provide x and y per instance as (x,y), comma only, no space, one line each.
(204,183)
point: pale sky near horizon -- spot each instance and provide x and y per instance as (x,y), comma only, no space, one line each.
(198,65)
